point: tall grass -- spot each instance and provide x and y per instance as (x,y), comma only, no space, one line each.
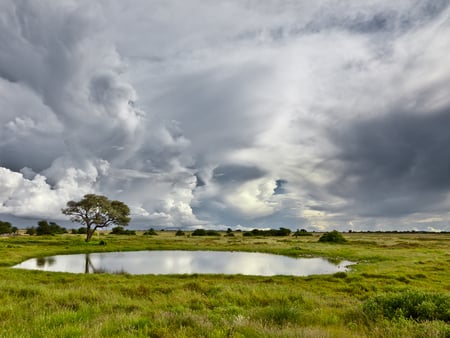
(399,288)
(409,304)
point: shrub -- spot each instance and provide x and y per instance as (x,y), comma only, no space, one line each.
(271,232)
(151,232)
(332,237)
(203,232)
(416,305)
(79,231)
(229,233)
(31,231)
(179,233)
(340,274)
(7,228)
(82,231)
(302,232)
(121,231)
(45,228)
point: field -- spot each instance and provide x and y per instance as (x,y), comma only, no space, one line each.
(399,288)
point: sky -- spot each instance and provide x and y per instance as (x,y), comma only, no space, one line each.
(318,115)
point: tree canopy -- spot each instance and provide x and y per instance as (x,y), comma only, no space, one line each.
(97,211)
(45,228)
(7,228)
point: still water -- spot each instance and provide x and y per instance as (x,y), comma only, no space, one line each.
(185,262)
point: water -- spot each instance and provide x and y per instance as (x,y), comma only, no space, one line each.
(185,262)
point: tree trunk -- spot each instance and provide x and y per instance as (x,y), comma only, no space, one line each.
(89,234)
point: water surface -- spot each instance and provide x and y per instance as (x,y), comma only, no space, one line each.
(185,262)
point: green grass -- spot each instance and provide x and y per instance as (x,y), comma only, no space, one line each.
(396,273)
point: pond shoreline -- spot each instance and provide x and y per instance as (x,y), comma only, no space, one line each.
(172,262)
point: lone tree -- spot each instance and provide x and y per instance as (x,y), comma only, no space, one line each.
(97,211)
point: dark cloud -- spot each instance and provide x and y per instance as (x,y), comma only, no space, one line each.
(199,182)
(281,187)
(237,174)
(254,114)
(378,19)
(396,164)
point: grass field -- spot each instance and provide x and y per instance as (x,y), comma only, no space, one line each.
(399,288)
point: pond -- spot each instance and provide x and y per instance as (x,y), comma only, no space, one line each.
(185,262)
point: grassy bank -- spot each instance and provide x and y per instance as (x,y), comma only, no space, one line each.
(375,299)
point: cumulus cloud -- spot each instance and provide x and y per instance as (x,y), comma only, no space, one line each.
(69,125)
(318,115)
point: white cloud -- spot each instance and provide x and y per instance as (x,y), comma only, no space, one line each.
(35,197)
(253,199)
(146,101)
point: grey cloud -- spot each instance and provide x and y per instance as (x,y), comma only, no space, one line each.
(199,181)
(396,164)
(69,124)
(253,113)
(237,174)
(223,106)
(281,187)
(378,17)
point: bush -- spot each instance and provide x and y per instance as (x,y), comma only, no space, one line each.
(302,232)
(122,231)
(150,232)
(31,231)
(332,237)
(340,274)
(229,233)
(271,232)
(7,228)
(45,228)
(179,233)
(79,231)
(416,305)
(203,232)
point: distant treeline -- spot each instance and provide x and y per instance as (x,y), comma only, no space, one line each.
(270,232)
(46,228)
(51,228)
(398,232)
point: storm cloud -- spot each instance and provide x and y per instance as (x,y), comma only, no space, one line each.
(332,114)
(396,164)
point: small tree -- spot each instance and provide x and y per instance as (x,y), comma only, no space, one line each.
(121,231)
(151,232)
(31,231)
(6,228)
(97,211)
(302,232)
(179,233)
(45,228)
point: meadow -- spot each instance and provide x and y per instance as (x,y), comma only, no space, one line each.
(399,288)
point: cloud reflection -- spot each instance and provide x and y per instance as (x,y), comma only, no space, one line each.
(186,262)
